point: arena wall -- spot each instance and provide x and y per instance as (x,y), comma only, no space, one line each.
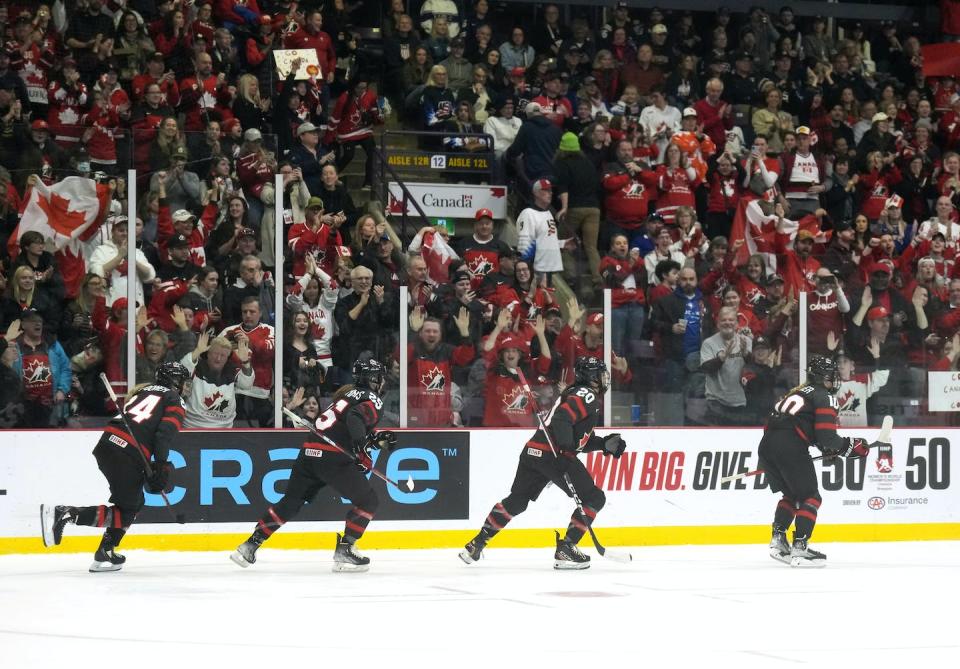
(664,490)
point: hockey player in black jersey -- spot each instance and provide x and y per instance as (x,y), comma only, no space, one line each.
(806,416)
(349,422)
(154,413)
(570,422)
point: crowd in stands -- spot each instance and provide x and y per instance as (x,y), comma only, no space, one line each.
(705,168)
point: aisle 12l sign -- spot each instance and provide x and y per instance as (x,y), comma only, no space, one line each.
(450,200)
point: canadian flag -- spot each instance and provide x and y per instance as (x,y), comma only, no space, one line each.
(767,235)
(63,212)
(66,213)
(438,254)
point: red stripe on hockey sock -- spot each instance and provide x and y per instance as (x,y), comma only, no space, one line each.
(503,511)
(825,426)
(493,522)
(590,512)
(826,411)
(812,501)
(363,514)
(803,513)
(117,518)
(356,528)
(576,523)
(273,514)
(263,528)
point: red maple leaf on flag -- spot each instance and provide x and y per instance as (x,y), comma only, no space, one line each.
(59,216)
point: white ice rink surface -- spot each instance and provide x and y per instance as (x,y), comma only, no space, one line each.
(875,605)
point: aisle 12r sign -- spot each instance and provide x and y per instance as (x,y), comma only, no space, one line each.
(450,200)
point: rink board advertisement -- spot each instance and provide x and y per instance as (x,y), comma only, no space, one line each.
(665,489)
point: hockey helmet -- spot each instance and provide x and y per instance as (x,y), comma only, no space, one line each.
(820,370)
(368,373)
(172,375)
(591,371)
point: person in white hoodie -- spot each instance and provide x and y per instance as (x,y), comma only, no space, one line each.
(109,261)
(538,241)
(212,401)
(503,127)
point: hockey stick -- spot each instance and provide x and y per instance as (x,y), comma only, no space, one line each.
(148,470)
(883,438)
(613,555)
(300,422)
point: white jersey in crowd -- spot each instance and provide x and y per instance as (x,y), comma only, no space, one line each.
(852,396)
(106,252)
(434,8)
(503,131)
(656,121)
(212,404)
(805,171)
(322,325)
(932,226)
(537,239)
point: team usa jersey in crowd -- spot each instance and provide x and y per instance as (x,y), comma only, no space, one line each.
(571,422)
(810,413)
(155,414)
(348,421)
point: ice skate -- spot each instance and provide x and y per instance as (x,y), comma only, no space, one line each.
(106,560)
(246,553)
(568,556)
(801,555)
(473,551)
(779,547)
(52,521)
(346,557)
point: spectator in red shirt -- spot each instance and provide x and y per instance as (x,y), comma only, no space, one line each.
(715,115)
(623,271)
(310,36)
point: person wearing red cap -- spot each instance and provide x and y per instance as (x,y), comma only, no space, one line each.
(874,345)
(877,293)
(569,346)
(505,404)
(481,251)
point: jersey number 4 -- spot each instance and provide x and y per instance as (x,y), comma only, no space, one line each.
(142,410)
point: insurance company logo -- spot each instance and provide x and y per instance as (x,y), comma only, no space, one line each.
(876,503)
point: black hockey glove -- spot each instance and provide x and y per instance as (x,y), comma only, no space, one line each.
(161,475)
(856,446)
(384,439)
(613,444)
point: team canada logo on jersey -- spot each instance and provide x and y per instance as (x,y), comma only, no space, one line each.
(848,401)
(515,401)
(216,402)
(634,190)
(433,381)
(36,372)
(885,458)
(480,266)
